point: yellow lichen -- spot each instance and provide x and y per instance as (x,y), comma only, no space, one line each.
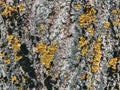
(17,58)
(41,27)
(106,25)
(116,23)
(114,12)
(65,76)
(7,61)
(47,53)
(85,77)
(10,37)
(92,11)
(21,9)
(99,39)
(88,18)
(9,9)
(15,43)
(82,42)
(56,75)
(97,55)
(13,79)
(84,50)
(23,79)
(112,63)
(77,7)
(2,54)
(16,47)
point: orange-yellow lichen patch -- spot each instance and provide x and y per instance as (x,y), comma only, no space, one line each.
(94,69)
(99,39)
(65,75)
(16,47)
(112,63)
(13,79)
(15,43)
(106,25)
(85,77)
(7,61)
(92,11)
(116,23)
(97,47)
(17,58)
(56,75)
(77,7)
(47,53)
(97,55)
(82,42)
(10,37)
(9,9)
(114,12)
(86,19)
(84,50)
(21,9)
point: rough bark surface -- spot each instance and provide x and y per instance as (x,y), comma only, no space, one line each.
(59,44)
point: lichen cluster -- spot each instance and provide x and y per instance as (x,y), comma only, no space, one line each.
(47,53)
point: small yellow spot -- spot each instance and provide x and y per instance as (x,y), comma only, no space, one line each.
(15,8)
(13,79)
(65,76)
(94,69)
(56,75)
(78,57)
(92,11)
(20,88)
(41,27)
(117,36)
(106,25)
(77,7)
(17,58)
(21,9)
(83,77)
(16,47)
(10,37)
(2,54)
(24,79)
(99,39)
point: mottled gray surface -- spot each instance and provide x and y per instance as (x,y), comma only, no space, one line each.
(61,23)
